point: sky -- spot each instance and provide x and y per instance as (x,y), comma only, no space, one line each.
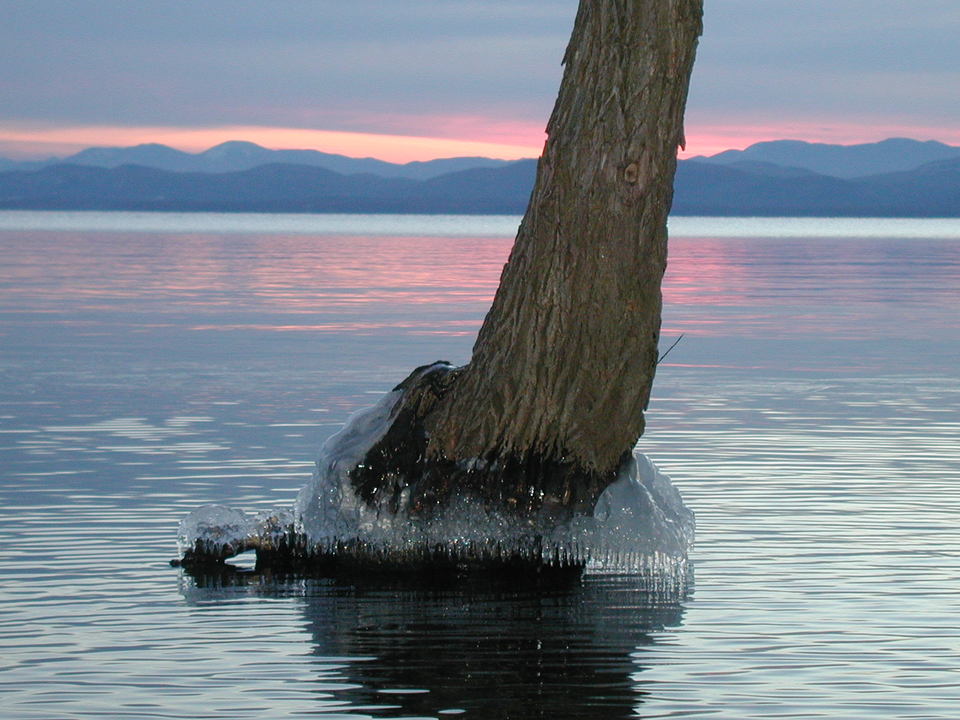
(416,79)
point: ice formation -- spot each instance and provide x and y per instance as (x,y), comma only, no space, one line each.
(220,532)
(639,523)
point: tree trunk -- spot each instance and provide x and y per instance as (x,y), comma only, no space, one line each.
(553,397)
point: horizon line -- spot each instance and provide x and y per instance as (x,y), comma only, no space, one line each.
(21,145)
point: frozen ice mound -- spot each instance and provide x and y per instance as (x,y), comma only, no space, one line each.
(215,527)
(639,524)
(327,510)
(220,532)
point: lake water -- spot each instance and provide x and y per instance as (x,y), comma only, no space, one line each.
(153,363)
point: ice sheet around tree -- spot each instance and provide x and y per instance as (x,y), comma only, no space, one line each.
(639,524)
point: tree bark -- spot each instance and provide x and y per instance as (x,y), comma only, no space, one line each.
(553,397)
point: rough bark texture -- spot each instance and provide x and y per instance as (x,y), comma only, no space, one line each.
(561,372)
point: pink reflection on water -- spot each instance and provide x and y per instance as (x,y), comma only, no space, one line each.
(364,283)
(452,328)
(852,288)
(720,287)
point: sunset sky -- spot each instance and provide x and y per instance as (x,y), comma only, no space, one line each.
(417,79)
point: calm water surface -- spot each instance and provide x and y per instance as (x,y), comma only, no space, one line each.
(150,364)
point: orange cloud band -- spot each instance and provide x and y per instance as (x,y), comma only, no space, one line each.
(505,141)
(392,148)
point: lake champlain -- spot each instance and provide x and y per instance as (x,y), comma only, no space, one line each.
(152,363)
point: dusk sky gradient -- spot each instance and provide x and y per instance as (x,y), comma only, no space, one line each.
(416,79)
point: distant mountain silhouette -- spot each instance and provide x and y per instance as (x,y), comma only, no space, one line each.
(739,186)
(843,161)
(267,188)
(932,190)
(236,155)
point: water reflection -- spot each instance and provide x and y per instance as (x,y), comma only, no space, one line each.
(478,648)
(217,275)
(810,417)
(853,289)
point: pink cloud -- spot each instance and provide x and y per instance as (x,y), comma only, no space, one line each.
(438,136)
(502,142)
(703,139)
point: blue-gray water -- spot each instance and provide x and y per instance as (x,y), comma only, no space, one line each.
(150,364)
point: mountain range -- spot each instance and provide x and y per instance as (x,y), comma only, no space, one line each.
(236,155)
(896,177)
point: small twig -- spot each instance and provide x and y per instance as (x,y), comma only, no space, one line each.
(660,359)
